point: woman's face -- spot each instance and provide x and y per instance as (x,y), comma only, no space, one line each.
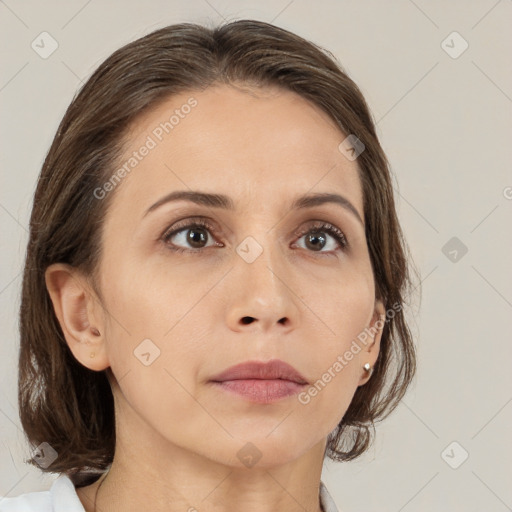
(176,309)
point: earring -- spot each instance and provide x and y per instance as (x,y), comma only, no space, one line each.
(367,367)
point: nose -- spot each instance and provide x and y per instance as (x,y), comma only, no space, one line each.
(264,293)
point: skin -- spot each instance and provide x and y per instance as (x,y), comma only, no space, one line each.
(177,435)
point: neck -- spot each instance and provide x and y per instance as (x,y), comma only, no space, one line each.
(271,490)
(149,472)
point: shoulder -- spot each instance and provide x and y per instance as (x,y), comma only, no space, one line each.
(61,497)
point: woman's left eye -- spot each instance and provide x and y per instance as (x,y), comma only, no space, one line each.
(196,234)
(315,236)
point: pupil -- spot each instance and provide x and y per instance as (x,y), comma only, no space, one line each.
(198,237)
(317,237)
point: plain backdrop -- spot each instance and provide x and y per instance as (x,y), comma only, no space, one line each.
(438,80)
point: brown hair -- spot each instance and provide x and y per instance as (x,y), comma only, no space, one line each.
(70,407)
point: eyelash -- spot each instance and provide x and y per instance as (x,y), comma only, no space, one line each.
(319,226)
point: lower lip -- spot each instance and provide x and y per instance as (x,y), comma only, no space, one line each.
(261,391)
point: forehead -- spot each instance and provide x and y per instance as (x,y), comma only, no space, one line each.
(251,144)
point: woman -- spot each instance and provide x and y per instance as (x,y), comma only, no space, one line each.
(213,289)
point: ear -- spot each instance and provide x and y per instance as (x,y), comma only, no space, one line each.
(78,311)
(371,351)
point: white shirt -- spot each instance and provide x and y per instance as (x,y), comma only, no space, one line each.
(62,497)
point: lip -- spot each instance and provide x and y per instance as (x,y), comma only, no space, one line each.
(261,382)
(270,370)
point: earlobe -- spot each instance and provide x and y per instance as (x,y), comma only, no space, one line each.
(75,309)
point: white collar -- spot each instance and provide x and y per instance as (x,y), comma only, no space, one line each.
(326,500)
(64,497)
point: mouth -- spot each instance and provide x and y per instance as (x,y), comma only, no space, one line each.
(261,382)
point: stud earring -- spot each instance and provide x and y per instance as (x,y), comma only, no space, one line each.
(367,367)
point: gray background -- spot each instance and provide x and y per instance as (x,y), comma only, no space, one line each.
(445,124)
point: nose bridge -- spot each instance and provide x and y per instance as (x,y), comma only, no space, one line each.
(261,271)
(262,262)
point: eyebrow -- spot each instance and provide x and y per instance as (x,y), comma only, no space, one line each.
(226,203)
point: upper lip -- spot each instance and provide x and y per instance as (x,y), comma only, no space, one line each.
(273,369)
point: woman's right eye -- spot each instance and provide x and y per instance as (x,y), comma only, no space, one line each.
(193,233)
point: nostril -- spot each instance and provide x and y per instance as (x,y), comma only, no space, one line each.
(247,320)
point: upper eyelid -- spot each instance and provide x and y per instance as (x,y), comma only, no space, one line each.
(190,220)
(337,217)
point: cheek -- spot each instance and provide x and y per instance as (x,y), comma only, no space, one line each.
(329,395)
(345,310)
(146,300)
(155,325)
(342,310)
